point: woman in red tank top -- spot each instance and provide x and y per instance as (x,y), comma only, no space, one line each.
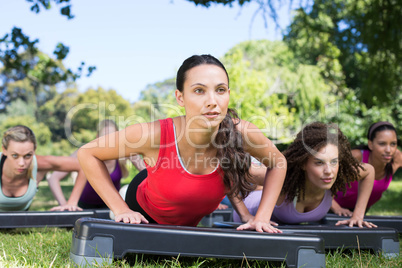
(203,154)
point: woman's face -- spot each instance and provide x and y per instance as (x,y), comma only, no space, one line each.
(383,146)
(19,156)
(205,95)
(322,168)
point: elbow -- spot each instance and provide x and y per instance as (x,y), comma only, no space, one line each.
(281,162)
(81,154)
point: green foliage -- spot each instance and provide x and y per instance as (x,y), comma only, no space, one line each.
(268,9)
(361,36)
(272,89)
(54,111)
(92,106)
(207,3)
(157,101)
(42,132)
(30,75)
(65,10)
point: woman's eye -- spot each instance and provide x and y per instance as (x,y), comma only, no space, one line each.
(318,163)
(198,90)
(28,156)
(334,162)
(221,90)
(14,156)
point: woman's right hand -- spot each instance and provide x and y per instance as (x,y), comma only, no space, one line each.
(260,226)
(130,216)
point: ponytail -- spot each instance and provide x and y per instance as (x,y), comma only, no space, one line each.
(234,161)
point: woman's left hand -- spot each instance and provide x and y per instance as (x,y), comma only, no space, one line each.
(66,207)
(260,226)
(358,222)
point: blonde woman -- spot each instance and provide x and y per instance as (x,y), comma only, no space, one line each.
(19,167)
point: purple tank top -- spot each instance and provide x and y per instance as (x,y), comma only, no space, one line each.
(349,199)
(252,202)
(287,213)
(89,195)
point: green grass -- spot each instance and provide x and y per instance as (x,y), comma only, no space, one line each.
(390,203)
(50,247)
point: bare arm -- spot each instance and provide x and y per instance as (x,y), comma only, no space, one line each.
(366,183)
(335,207)
(257,172)
(357,154)
(397,160)
(135,139)
(266,152)
(68,164)
(54,183)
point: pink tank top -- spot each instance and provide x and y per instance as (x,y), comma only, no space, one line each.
(349,199)
(287,213)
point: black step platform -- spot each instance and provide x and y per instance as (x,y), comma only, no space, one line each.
(381,239)
(66,219)
(216,216)
(99,241)
(381,221)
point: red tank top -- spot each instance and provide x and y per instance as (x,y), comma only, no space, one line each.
(171,195)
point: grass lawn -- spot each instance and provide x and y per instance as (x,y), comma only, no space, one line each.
(50,247)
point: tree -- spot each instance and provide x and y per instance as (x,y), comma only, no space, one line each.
(268,9)
(92,106)
(362,36)
(65,9)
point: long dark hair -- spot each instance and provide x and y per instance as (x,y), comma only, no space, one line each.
(309,140)
(372,133)
(234,161)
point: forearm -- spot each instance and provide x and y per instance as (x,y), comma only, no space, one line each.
(57,163)
(78,188)
(270,193)
(364,192)
(54,185)
(335,206)
(97,175)
(240,208)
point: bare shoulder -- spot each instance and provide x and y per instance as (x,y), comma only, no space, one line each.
(248,129)
(357,154)
(143,137)
(398,158)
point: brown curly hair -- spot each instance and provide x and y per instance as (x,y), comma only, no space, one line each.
(308,141)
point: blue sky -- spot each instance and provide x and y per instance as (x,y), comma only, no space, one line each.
(135,43)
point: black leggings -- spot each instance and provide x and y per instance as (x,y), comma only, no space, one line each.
(131,195)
